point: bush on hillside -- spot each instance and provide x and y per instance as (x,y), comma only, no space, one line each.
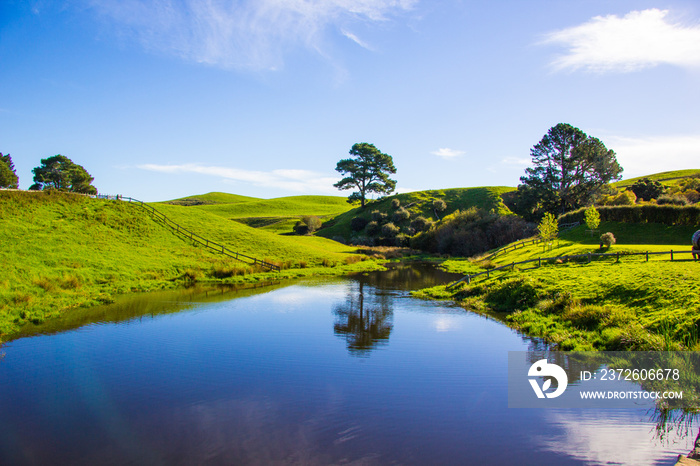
(390,230)
(667,199)
(395,204)
(379,217)
(470,232)
(401,215)
(625,198)
(307,224)
(373,228)
(421,223)
(647,189)
(439,205)
(358,223)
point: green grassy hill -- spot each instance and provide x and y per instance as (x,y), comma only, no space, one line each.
(212,198)
(62,251)
(278,215)
(421,203)
(669,177)
(607,305)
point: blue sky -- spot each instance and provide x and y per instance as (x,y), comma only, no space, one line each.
(160,99)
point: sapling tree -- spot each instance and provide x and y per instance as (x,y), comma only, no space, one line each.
(548,229)
(592,218)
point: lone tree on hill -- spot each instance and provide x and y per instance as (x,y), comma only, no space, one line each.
(368,172)
(569,170)
(59,172)
(8,174)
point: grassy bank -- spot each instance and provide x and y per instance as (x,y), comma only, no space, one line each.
(605,305)
(64,251)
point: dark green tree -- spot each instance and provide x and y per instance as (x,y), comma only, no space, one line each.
(8,174)
(59,172)
(570,168)
(647,189)
(368,172)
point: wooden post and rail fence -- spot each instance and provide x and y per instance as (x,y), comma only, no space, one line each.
(221,249)
(588,256)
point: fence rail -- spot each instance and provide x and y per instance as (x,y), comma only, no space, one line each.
(195,237)
(589,256)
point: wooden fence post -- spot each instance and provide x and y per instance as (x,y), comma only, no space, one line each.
(671,255)
(647,256)
(539,262)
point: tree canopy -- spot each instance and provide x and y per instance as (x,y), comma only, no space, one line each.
(59,172)
(368,172)
(647,189)
(8,174)
(569,170)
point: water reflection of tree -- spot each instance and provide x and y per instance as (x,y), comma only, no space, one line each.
(364,320)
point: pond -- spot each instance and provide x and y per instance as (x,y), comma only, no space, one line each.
(349,370)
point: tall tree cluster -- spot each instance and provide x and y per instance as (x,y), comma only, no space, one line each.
(569,169)
(8,174)
(59,172)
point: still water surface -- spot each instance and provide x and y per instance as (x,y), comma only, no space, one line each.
(320,371)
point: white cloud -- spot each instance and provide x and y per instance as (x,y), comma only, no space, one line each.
(253,34)
(357,40)
(302,181)
(447,153)
(645,156)
(640,39)
(517,161)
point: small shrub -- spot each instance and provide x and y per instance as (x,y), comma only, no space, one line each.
(302,264)
(672,200)
(327,262)
(358,223)
(312,222)
(421,223)
(390,230)
(607,240)
(401,215)
(513,294)
(439,205)
(373,228)
(301,228)
(625,198)
(403,240)
(379,217)
(395,204)
(692,196)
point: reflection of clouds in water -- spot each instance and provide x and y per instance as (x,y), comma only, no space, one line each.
(612,437)
(300,295)
(445,323)
(250,431)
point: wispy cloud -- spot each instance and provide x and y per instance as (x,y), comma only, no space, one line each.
(447,153)
(252,34)
(638,40)
(644,156)
(516,161)
(301,181)
(357,40)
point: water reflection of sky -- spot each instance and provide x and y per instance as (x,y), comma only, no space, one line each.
(266,378)
(613,437)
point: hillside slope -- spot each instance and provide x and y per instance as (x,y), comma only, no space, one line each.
(61,251)
(420,203)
